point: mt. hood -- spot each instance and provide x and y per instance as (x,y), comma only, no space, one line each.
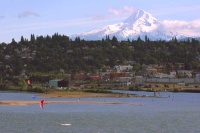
(139,24)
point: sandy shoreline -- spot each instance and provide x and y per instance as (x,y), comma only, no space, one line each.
(17,103)
(55,95)
(26,103)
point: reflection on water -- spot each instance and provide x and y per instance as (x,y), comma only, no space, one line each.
(178,113)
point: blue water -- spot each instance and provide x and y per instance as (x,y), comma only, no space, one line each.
(179,113)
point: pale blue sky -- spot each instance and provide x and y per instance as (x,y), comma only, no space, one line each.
(46,17)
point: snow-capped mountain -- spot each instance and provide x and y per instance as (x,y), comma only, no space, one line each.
(140,23)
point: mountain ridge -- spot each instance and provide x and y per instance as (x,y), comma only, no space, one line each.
(139,24)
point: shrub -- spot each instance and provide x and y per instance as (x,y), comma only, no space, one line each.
(175,90)
(135,88)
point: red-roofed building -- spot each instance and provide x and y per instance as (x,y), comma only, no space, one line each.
(116,75)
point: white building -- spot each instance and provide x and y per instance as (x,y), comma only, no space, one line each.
(185,73)
(120,68)
(163,75)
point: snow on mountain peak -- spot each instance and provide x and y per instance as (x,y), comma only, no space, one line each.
(136,15)
(140,23)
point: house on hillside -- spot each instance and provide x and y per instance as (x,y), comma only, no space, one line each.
(180,66)
(69,51)
(184,73)
(131,62)
(120,68)
(150,71)
(7,57)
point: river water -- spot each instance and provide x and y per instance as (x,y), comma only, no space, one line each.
(179,113)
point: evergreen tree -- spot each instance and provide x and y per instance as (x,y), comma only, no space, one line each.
(22,39)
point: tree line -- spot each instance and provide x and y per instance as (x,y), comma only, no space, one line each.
(59,53)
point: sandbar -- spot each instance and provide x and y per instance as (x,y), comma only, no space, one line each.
(77,95)
(26,103)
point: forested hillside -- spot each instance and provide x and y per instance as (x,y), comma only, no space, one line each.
(59,53)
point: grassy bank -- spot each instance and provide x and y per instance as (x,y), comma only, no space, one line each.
(41,88)
(171,87)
